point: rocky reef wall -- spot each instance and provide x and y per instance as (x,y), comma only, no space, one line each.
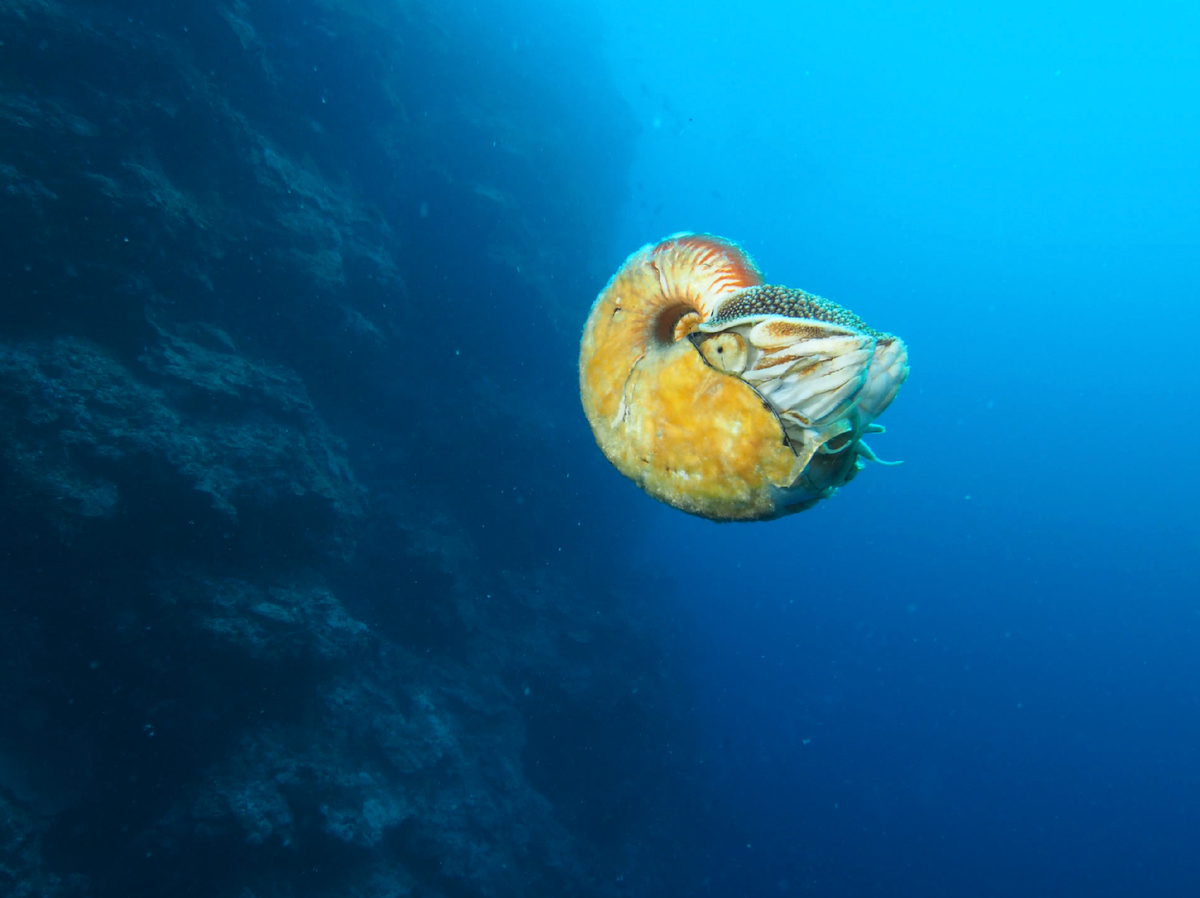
(296,593)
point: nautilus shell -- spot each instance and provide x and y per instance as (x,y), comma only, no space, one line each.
(727,397)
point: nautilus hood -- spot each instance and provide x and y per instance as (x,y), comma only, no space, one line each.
(727,397)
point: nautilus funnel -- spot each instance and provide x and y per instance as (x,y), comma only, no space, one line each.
(727,397)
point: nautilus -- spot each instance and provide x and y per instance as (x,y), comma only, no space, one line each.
(727,397)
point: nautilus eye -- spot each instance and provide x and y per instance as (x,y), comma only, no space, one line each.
(725,351)
(727,397)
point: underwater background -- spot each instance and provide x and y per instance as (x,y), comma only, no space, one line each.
(313,581)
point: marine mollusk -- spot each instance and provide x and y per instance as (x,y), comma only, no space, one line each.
(727,397)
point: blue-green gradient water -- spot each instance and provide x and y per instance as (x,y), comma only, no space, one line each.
(976,673)
(313,582)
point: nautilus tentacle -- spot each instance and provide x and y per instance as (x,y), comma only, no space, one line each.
(724,396)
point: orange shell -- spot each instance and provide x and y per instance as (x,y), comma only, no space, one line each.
(696,438)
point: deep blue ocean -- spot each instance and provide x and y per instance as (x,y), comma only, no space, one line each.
(975,673)
(314,582)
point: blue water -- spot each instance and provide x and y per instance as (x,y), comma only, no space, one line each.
(976,673)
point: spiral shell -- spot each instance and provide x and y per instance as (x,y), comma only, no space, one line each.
(726,397)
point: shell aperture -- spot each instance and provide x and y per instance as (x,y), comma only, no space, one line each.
(727,397)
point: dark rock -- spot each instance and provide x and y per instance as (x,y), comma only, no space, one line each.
(84,431)
(21,873)
(292,602)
